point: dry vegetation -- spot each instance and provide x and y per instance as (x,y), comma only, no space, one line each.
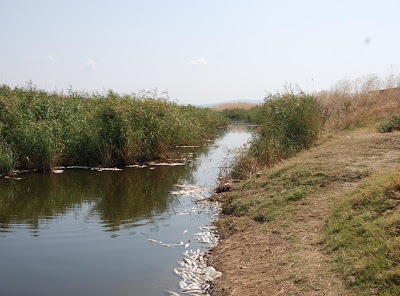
(351,102)
(233,106)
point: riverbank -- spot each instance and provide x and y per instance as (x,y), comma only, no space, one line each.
(41,130)
(275,225)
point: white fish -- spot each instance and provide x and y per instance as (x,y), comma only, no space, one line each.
(152,240)
(185,231)
(187,245)
(172,293)
(182,284)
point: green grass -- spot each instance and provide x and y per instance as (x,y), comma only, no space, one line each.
(41,130)
(274,193)
(363,233)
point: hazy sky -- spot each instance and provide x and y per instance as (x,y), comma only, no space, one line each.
(199,51)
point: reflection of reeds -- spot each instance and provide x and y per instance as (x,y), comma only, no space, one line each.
(40,130)
(118,198)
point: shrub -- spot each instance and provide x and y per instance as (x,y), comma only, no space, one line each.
(391,124)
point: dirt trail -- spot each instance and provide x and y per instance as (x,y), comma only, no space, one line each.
(287,256)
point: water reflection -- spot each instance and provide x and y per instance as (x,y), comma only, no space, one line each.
(116,198)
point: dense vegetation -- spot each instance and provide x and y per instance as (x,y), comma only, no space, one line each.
(41,130)
(289,123)
(252,115)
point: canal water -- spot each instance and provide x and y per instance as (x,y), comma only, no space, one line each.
(86,232)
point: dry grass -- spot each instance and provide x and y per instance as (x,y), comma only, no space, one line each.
(233,106)
(351,102)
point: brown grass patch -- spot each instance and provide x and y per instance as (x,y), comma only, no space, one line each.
(351,102)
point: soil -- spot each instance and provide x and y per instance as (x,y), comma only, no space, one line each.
(287,256)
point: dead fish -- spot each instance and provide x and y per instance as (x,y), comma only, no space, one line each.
(185,231)
(182,284)
(172,293)
(152,240)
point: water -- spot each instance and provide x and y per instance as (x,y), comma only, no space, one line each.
(86,233)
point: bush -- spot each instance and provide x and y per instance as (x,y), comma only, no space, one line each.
(391,124)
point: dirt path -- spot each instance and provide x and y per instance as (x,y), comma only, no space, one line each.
(287,256)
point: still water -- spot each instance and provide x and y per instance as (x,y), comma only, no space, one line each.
(86,232)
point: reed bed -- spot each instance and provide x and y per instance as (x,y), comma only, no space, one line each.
(41,130)
(290,122)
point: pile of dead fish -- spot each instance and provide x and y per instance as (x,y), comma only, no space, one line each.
(195,191)
(209,236)
(196,275)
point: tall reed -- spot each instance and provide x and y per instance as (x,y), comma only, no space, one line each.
(290,122)
(41,130)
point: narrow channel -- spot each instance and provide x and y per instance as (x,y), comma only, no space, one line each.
(86,232)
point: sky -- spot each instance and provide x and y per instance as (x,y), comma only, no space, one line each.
(199,51)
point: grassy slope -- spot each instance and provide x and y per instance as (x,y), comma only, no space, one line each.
(278,220)
(363,232)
